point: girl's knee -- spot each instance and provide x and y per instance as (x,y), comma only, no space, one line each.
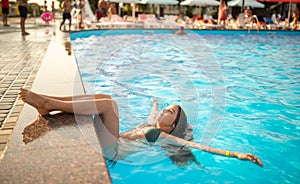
(115,106)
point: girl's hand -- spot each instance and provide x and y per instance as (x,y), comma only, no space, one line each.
(154,101)
(250,157)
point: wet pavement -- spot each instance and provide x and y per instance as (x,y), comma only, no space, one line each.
(20,58)
(62,148)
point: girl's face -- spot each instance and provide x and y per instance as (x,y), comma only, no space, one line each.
(167,117)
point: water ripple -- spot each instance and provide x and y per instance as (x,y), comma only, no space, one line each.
(251,81)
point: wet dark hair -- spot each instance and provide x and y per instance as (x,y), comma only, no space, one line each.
(180,155)
(177,119)
(182,128)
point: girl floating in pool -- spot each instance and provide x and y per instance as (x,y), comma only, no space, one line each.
(168,127)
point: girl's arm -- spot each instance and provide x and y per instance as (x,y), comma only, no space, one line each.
(153,113)
(169,139)
(132,135)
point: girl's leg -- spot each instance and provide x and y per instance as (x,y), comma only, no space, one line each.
(77,97)
(107,107)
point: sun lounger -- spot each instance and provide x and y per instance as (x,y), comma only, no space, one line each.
(152,22)
(256,22)
(114,22)
(272,25)
(104,22)
(207,23)
(170,22)
(202,25)
(141,20)
(119,22)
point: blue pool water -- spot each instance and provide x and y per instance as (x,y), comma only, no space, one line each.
(240,91)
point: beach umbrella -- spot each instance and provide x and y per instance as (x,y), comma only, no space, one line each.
(160,2)
(248,3)
(200,3)
(280,1)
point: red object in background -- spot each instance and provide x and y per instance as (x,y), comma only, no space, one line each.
(5,3)
(280,1)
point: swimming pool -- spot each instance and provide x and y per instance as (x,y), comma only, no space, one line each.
(240,91)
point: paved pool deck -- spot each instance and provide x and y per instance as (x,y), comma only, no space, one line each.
(60,148)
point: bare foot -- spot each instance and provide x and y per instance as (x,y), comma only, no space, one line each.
(35,100)
(25,33)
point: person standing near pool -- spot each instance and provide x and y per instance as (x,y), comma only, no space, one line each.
(296,16)
(23,14)
(167,127)
(248,15)
(101,11)
(5,12)
(67,8)
(81,14)
(53,10)
(223,13)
